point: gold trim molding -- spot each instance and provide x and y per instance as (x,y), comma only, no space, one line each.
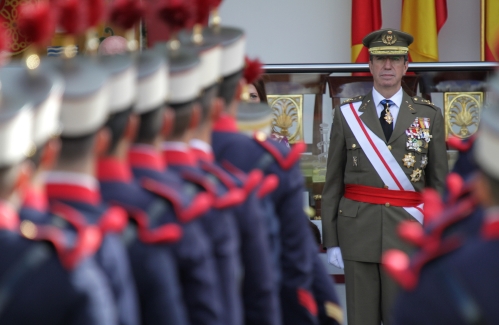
(462,113)
(287,116)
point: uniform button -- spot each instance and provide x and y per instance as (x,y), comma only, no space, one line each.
(354,145)
(387,204)
(389,147)
(386,186)
(341,211)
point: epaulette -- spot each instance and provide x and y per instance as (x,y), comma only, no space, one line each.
(200,204)
(422,101)
(113,220)
(232,197)
(307,300)
(285,162)
(459,144)
(88,237)
(352,100)
(164,234)
(250,181)
(269,184)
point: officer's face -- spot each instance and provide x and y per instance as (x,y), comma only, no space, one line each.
(388,71)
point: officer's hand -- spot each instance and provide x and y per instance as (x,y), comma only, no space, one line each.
(334,257)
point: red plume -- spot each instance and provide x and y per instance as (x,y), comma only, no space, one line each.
(176,14)
(396,264)
(96,12)
(253,70)
(126,13)
(216,3)
(36,21)
(72,16)
(203,8)
(433,205)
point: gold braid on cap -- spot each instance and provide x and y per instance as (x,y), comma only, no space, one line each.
(386,50)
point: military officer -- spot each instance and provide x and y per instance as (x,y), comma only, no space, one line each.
(385,148)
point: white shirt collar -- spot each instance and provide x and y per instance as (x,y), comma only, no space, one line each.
(201,145)
(175,146)
(396,99)
(72,178)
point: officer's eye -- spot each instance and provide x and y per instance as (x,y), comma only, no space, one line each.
(253,96)
(396,58)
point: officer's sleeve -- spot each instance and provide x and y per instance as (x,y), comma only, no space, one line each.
(437,168)
(334,185)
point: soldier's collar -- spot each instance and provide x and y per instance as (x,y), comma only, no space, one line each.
(225,123)
(36,199)
(396,99)
(72,186)
(146,156)
(9,218)
(110,169)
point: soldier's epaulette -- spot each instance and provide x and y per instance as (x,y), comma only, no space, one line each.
(405,273)
(88,237)
(200,204)
(113,220)
(422,101)
(269,184)
(164,234)
(249,181)
(352,100)
(286,162)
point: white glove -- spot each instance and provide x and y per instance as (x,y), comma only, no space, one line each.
(334,257)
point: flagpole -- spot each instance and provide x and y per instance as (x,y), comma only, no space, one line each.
(482,30)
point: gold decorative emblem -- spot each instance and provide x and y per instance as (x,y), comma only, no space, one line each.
(409,160)
(388,116)
(416,175)
(424,161)
(462,113)
(287,119)
(260,136)
(389,38)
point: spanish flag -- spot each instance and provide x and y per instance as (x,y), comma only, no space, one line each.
(366,18)
(423,19)
(490,29)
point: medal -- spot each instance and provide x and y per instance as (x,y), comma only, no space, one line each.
(388,116)
(416,175)
(424,161)
(409,160)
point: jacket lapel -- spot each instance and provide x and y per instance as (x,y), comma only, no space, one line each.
(404,119)
(370,116)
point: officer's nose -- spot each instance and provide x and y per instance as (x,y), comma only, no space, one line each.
(387,64)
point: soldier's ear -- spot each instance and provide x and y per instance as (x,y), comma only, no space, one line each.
(23,179)
(102,142)
(217,107)
(195,116)
(131,128)
(50,153)
(168,119)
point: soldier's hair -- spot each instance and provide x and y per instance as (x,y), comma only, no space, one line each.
(182,118)
(406,57)
(206,99)
(260,89)
(75,149)
(117,123)
(150,125)
(228,87)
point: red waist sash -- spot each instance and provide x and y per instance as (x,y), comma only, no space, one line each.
(375,195)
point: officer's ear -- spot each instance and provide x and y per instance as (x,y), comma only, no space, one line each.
(168,120)
(131,127)
(217,107)
(195,116)
(482,190)
(24,174)
(102,142)
(50,153)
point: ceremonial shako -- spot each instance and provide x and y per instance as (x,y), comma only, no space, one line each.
(253,117)
(43,90)
(388,42)
(122,81)
(85,100)
(16,125)
(152,82)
